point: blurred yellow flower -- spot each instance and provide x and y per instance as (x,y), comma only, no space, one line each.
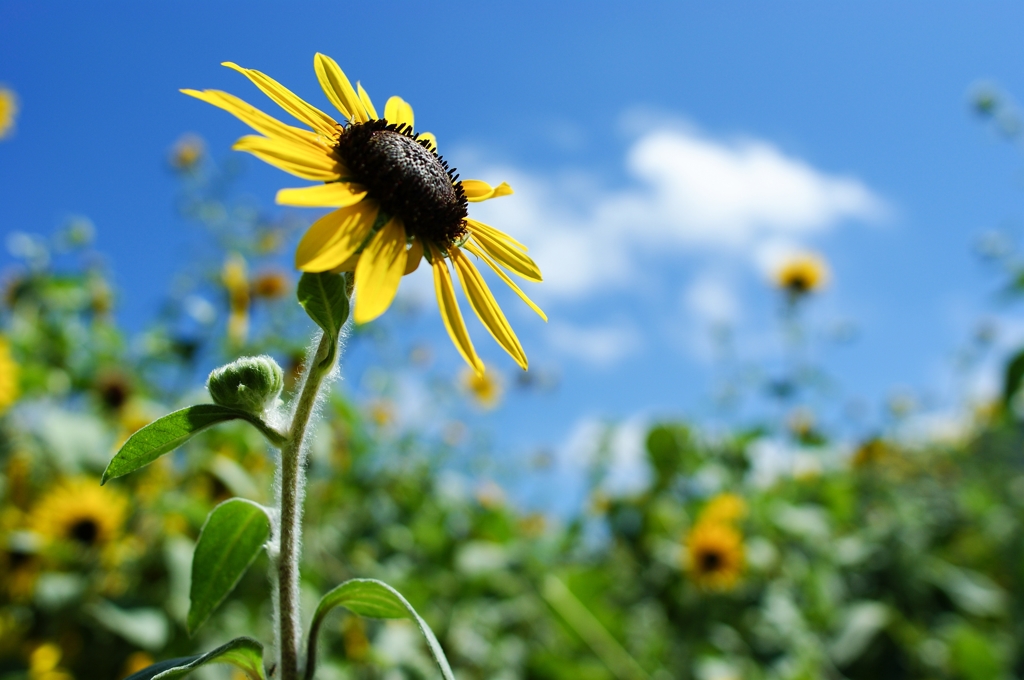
(490,495)
(80,512)
(18,483)
(136,662)
(8,376)
(396,202)
(801,422)
(533,525)
(382,413)
(801,274)
(19,569)
(485,388)
(187,152)
(113,389)
(725,507)
(235,277)
(8,111)
(714,555)
(270,284)
(353,636)
(269,240)
(43,663)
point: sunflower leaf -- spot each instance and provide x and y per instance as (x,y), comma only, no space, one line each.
(325,299)
(234,533)
(374,599)
(163,435)
(244,653)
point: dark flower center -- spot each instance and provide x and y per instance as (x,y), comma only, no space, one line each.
(85,531)
(18,558)
(114,391)
(710,561)
(798,283)
(409,180)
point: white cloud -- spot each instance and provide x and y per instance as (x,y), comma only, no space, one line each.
(710,298)
(597,345)
(692,193)
(621,447)
(715,191)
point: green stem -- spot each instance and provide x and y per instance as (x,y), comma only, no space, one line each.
(590,629)
(291,510)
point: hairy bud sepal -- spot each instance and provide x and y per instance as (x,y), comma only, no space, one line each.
(251,384)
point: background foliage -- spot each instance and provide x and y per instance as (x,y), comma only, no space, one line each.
(777,550)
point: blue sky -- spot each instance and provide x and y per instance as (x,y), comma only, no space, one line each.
(664,154)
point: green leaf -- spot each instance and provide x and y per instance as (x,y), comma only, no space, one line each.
(325,299)
(163,435)
(378,600)
(243,653)
(1013,377)
(232,537)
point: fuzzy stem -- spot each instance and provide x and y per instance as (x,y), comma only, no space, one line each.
(288,620)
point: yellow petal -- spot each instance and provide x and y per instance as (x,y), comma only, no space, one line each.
(413,257)
(379,272)
(450,313)
(338,89)
(253,117)
(516,260)
(486,307)
(335,237)
(348,265)
(477,190)
(495,234)
(333,195)
(290,157)
(398,111)
(430,139)
(367,102)
(289,101)
(505,277)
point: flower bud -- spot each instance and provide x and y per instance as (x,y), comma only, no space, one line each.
(250,383)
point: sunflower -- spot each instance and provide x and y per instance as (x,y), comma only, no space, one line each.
(715,555)
(270,284)
(81,512)
(8,111)
(8,376)
(485,388)
(397,202)
(801,274)
(723,508)
(187,152)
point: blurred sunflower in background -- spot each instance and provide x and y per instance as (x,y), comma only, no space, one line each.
(714,552)
(8,111)
(270,284)
(8,376)
(724,508)
(397,202)
(19,566)
(235,277)
(187,152)
(802,274)
(82,513)
(44,663)
(484,388)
